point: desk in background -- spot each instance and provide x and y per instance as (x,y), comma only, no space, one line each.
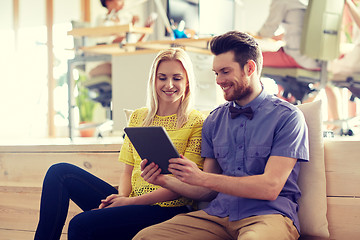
(82,56)
(130,71)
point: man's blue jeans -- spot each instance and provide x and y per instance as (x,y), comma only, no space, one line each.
(64,181)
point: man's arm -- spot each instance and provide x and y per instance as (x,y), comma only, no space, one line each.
(266,186)
(152,174)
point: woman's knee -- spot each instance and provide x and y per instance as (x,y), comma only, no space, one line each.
(59,169)
(77,228)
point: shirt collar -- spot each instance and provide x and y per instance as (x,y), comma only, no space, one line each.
(254,104)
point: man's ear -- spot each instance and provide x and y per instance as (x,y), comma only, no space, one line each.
(250,67)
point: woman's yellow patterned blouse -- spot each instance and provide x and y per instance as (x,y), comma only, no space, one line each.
(187,141)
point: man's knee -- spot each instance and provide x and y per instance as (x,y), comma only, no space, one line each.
(161,231)
(250,235)
(148,234)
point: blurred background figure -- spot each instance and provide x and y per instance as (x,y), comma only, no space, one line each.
(347,65)
(285,22)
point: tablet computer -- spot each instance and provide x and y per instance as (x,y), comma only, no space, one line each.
(154,144)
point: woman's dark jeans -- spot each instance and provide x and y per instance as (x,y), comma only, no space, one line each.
(64,181)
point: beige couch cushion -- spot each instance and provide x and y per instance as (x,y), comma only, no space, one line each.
(312,181)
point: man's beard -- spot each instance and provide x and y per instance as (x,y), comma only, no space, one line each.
(239,93)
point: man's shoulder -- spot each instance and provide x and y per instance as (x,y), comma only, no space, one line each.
(282,111)
(216,114)
(219,108)
(281,104)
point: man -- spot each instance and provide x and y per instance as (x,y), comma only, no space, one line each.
(251,158)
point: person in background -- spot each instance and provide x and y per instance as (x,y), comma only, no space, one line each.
(285,23)
(288,14)
(345,66)
(110,213)
(115,16)
(348,64)
(252,145)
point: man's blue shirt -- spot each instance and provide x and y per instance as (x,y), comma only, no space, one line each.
(242,147)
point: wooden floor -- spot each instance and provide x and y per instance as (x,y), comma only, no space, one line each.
(10,234)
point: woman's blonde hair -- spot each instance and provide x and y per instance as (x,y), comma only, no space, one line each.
(184,109)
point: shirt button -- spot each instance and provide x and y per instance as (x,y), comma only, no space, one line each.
(239,168)
(240,147)
(241,125)
(257,154)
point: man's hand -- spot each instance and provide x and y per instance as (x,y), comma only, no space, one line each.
(186,171)
(152,173)
(114,200)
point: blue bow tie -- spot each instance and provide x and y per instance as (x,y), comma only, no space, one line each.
(235,112)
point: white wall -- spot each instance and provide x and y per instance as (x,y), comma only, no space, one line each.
(251,14)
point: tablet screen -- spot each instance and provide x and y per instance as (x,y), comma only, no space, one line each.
(154,144)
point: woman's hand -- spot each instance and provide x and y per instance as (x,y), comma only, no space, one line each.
(186,171)
(151,173)
(114,200)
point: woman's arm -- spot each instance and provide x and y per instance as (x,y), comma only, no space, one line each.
(122,198)
(124,188)
(125,179)
(159,195)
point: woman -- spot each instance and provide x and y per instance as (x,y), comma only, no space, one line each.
(120,214)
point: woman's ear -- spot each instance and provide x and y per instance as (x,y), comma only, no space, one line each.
(250,67)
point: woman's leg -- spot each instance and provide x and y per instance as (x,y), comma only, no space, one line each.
(118,222)
(63,182)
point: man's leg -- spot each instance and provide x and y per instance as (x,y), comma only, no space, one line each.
(265,227)
(196,225)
